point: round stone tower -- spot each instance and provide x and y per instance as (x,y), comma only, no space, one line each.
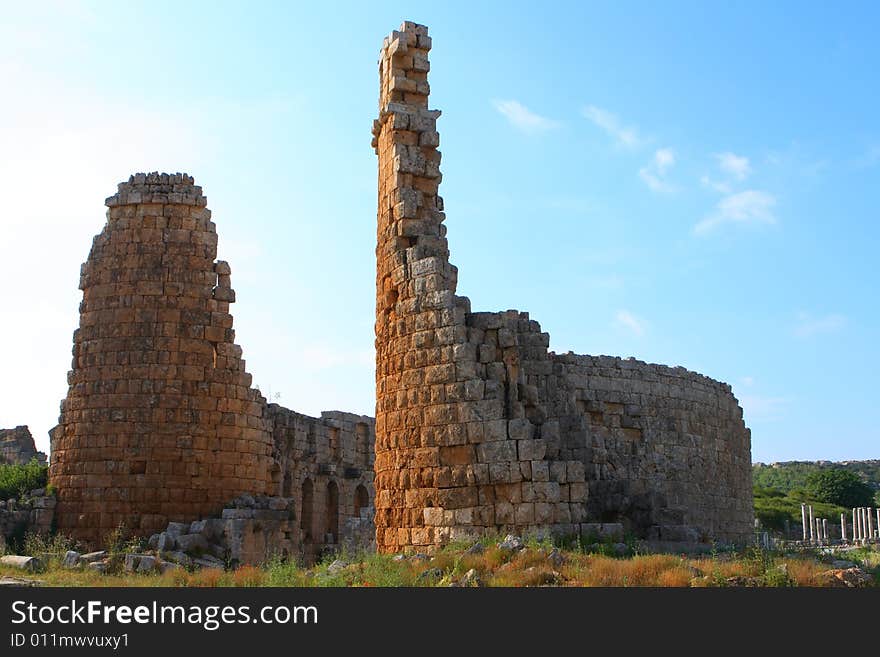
(160,422)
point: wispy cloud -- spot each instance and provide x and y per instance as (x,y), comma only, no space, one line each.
(748,207)
(761,407)
(808,326)
(654,175)
(522,118)
(627,320)
(623,135)
(719,186)
(736,166)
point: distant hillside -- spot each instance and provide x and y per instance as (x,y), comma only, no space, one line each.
(792,475)
(779,491)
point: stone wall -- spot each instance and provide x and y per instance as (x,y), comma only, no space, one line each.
(32,513)
(666,450)
(160,424)
(326,467)
(160,421)
(17,447)
(455,453)
(479,427)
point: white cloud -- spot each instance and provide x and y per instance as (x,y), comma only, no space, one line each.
(720,187)
(747,381)
(808,326)
(626,319)
(654,175)
(736,166)
(523,118)
(748,207)
(626,136)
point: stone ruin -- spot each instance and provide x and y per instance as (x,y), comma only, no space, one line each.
(479,428)
(17,447)
(161,423)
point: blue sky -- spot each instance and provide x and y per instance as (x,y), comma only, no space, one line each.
(688,183)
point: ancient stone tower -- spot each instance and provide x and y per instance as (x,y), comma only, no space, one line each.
(479,427)
(160,422)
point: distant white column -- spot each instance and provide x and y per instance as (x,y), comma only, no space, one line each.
(862,523)
(870,522)
(825,529)
(878,523)
(843,527)
(804,519)
(812,525)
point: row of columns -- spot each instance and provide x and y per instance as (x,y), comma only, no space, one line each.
(864,528)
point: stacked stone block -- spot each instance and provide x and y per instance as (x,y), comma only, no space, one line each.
(665,448)
(455,454)
(160,422)
(479,428)
(327,473)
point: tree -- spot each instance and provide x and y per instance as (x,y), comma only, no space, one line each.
(841,487)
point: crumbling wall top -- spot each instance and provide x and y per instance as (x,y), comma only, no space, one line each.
(158,188)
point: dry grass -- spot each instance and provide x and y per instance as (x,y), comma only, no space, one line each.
(492,567)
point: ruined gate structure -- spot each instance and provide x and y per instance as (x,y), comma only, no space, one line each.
(479,428)
(160,422)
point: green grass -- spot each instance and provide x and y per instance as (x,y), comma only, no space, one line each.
(773,508)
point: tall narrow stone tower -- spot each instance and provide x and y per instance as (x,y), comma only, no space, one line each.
(455,453)
(160,422)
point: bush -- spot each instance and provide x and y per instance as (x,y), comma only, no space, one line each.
(16,480)
(840,487)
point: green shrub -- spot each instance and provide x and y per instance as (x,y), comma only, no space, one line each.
(16,480)
(840,487)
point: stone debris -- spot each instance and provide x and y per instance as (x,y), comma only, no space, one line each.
(846,577)
(556,558)
(512,543)
(15,582)
(336,567)
(479,426)
(71,559)
(91,557)
(471,578)
(29,564)
(476,548)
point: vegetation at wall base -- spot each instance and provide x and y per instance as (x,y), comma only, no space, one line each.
(16,480)
(486,564)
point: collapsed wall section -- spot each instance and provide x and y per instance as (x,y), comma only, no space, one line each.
(160,422)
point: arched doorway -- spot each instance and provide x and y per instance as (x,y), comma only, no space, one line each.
(332,512)
(308,503)
(361,500)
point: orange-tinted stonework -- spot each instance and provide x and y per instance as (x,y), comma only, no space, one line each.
(480,428)
(160,422)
